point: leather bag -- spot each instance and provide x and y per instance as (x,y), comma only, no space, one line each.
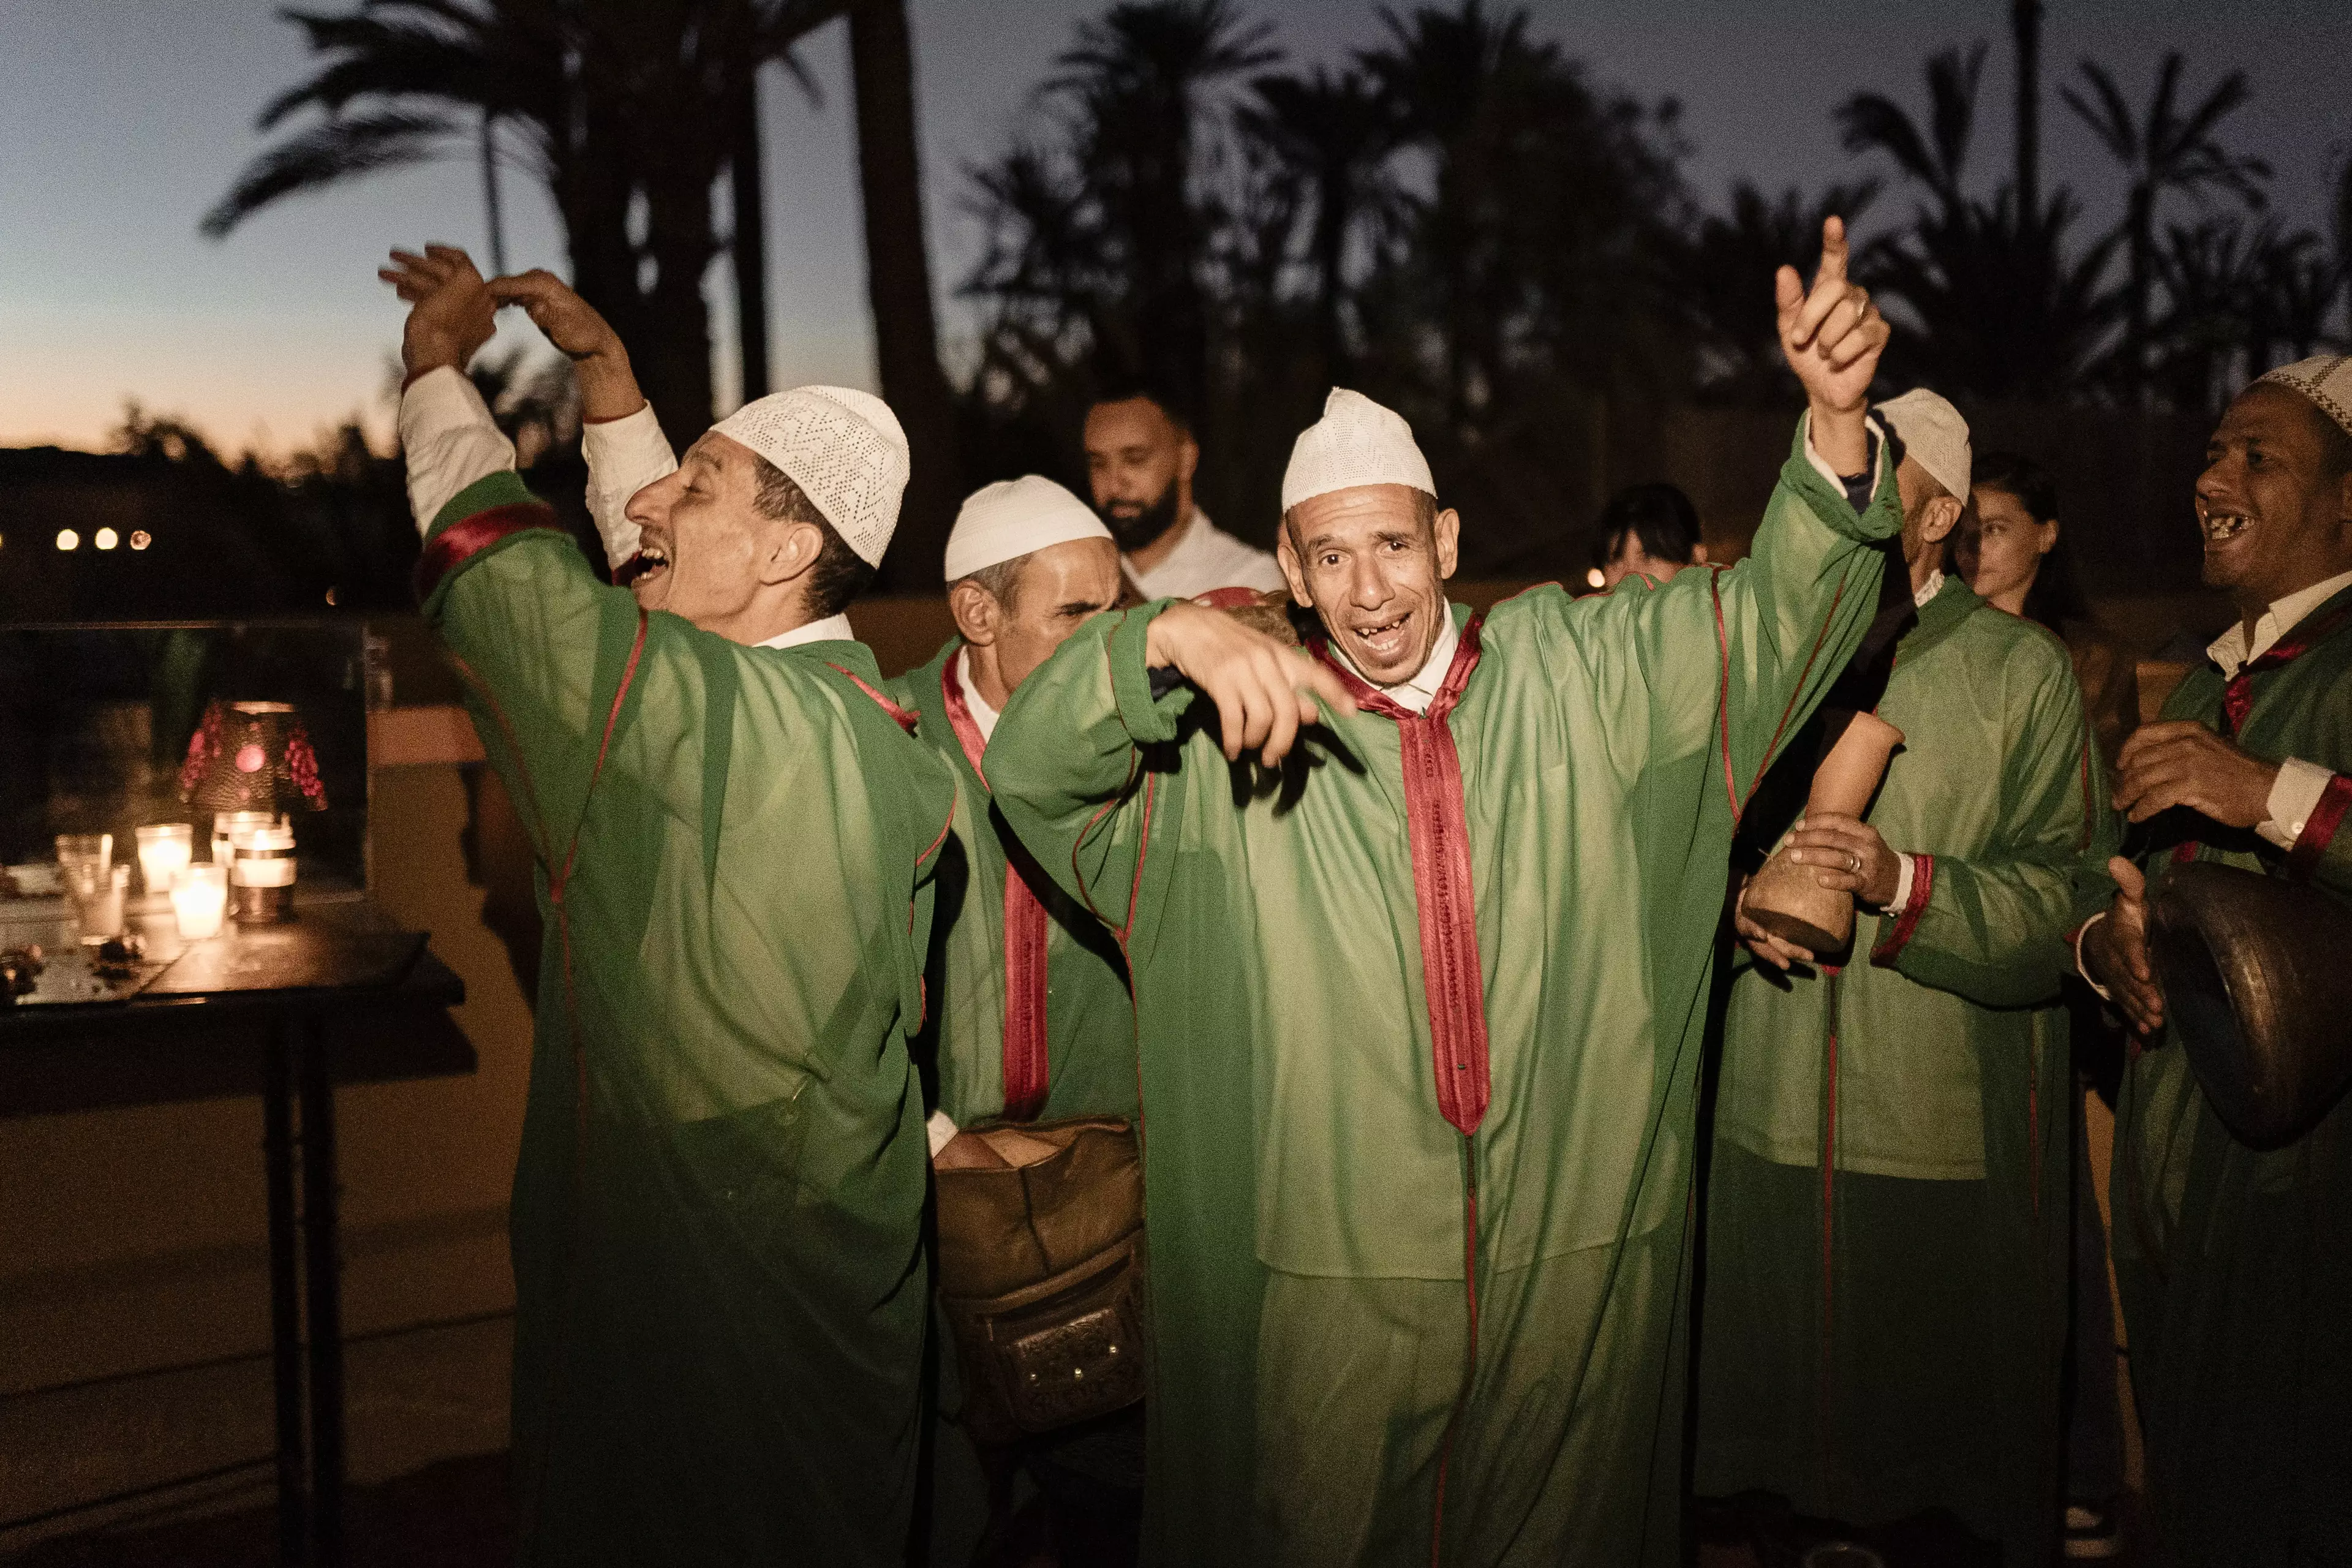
(1041,1277)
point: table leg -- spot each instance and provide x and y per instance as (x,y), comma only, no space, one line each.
(322,1272)
(284,1297)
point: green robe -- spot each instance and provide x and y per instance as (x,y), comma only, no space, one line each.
(1882,1326)
(719,1286)
(1089,1021)
(1089,1025)
(2236,1265)
(1317,1360)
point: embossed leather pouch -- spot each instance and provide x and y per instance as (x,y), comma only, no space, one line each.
(1041,1277)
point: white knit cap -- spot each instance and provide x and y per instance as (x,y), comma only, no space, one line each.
(1012,517)
(1932,430)
(1356,442)
(2327,381)
(844,451)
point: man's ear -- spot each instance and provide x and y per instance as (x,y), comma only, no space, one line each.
(792,550)
(1292,571)
(1447,527)
(1188,457)
(977,614)
(1937,519)
(2050,538)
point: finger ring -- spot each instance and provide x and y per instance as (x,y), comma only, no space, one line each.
(1852,861)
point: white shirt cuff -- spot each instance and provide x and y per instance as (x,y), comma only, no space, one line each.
(449,439)
(1876,445)
(2294,796)
(1904,868)
(940,1130)
(2081,936)
(623,456)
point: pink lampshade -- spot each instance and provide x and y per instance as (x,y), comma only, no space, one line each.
(251,756)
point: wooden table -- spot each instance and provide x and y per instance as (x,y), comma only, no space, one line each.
(341,995)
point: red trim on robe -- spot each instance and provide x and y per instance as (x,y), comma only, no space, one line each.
(1027,1066)
(1439,832)
(2319,828)
(906,718)
(470,536)
(1923,886)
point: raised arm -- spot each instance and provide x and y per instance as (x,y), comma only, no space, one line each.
(541,642)
(619,436)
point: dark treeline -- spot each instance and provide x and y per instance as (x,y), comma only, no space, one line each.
(1461,219)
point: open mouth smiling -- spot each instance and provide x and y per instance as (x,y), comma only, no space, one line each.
(2223,526)
(1385,640)
(651,561)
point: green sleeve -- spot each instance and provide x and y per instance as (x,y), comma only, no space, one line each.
(1068,766)
(1993,927)
(1794,611)
(541,644)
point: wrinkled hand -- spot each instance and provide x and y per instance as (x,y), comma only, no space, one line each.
(1264,692)
(1775,951)
(2181,762)
(608,385)
(1832,336)
(1847,856)
(451,313)
(2115,951)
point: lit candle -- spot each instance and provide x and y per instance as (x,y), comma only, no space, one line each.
(163,848)
(200,900)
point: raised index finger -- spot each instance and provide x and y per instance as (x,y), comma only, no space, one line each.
(1833,254)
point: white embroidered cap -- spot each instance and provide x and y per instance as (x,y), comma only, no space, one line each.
(844,451)
(2327,380)
(1356,442)
(1932,430)
(1013,518)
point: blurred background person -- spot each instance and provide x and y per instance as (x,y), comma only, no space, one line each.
(1651,529)
(1141,458)
(2009,548)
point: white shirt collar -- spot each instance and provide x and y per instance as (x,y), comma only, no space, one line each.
(1190,535)
(1415,695)
(2233,652)
(982,713)
(1930,589)
(833,628)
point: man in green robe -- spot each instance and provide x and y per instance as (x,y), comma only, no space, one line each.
(2236,1264)
(720,1292)
(1883,1317)
(1420,1011)
(1030,1013)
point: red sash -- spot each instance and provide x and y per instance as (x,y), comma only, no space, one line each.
(1439,832)
(1026,1065)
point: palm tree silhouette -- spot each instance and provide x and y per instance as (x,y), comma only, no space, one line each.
(2163,152)
(1334,131)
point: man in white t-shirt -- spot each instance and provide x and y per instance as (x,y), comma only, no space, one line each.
(1141,455)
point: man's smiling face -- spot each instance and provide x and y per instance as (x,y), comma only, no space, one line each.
(2273,504)
(1372,561)
(704,533)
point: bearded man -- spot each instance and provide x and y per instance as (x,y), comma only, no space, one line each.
(1420,1013)
(2235,1264)
(1884,1314)
(1141,459)
(719,1283)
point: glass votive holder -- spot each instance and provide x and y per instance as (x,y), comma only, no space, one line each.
(163,848)
(84,849)
(261,877)
(200,900)
(228,824)
(97,892)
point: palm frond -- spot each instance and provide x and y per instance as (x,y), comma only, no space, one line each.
(326,154)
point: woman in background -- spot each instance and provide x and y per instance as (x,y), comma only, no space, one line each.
(2007,547)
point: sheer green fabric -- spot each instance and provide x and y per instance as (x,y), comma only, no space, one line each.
(719,1285)
(1881,1328)
(1311,1212)
(1089,1021)
(2236,1265)
(1090,1039)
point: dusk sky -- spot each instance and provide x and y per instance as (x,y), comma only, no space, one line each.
(120,122)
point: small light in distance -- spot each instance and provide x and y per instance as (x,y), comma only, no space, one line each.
(1595,579)
(68,540)
(106,539)
(330,595)
(141,539)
